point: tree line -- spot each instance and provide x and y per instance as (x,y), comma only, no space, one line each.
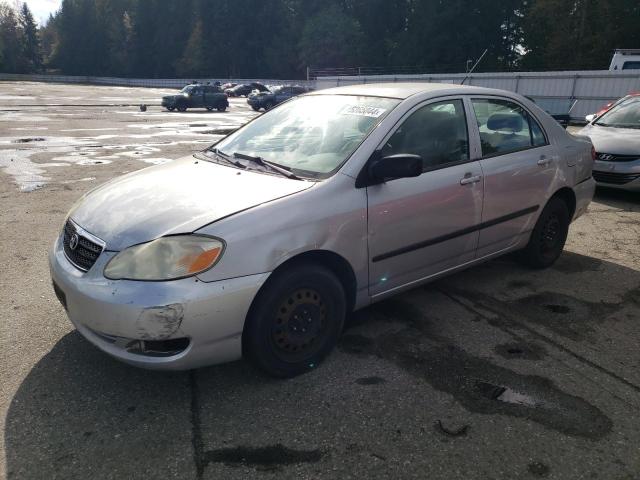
(281,38)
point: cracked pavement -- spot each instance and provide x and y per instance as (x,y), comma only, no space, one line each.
(493,373)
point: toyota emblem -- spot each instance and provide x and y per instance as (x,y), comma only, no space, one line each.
(607,157)
(73,241)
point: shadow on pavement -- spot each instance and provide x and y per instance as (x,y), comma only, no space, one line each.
(80,414)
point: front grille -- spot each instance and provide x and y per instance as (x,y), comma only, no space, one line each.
(86,251)
(615,178)
(609,157)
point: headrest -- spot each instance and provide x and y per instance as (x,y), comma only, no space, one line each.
(505,121)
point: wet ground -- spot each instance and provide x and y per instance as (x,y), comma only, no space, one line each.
(498,372)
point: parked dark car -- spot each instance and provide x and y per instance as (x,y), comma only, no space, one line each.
(228,85)
(244,89)
(197,96)
(272,97)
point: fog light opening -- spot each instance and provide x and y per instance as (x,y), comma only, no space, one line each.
(158,348)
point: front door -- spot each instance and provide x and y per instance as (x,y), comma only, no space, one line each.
(425,225)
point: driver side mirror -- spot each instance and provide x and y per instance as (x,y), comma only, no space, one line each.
(402,165)
(589,118)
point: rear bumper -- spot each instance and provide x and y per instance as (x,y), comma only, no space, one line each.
(584,192)
(200,323)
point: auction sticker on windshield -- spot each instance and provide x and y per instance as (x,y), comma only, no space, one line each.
(362,111)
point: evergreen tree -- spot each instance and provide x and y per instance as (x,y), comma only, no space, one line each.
(280,38)
(30,41)
(11,41)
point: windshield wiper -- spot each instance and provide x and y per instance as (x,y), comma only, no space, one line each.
(266,163)
(225,157)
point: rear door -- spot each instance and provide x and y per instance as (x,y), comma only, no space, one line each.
(210,96)
(518,165)
(197,97)
(424,225)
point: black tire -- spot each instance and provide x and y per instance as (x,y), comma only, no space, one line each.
(221,107)
(209,108)
(255,109)
(549,235)
(171,109)
(295,320)
(268,106)
(182,107)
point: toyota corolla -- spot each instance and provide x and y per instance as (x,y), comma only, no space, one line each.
(262,244)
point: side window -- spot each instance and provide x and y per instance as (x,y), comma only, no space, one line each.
(197,91)
(437,132)
(505,127)
(537,135)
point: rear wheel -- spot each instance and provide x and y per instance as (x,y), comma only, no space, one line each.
(209,107)
(295,321)
(549,235)
(221,107)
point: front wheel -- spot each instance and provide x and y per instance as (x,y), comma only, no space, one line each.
(182,108)
(548,236)
(171,109)
(268,106)
(209,108)
(295,320)
(255,109)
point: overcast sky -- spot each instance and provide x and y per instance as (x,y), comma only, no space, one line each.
(42,8)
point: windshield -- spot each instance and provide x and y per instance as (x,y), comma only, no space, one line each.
(312,136)
(187,89)
(624,115)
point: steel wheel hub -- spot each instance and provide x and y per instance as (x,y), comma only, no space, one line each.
(300,320)
(550,233)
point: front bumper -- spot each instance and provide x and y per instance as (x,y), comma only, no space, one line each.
(621,175)
(205,320)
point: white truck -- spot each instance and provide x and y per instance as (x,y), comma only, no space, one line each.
(625,59)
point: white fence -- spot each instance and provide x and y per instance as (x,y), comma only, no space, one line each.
(578,93)
(142,82)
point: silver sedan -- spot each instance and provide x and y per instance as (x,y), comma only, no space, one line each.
(262,244)
(616,137)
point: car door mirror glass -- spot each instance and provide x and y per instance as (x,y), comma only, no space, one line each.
(402,165)
(589,118)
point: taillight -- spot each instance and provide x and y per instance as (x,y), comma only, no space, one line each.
(593,153)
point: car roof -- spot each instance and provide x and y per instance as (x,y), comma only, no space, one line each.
(405,90)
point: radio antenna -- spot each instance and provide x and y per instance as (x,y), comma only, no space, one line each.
(474,66)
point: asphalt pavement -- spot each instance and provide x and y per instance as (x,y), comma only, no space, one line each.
(497,372)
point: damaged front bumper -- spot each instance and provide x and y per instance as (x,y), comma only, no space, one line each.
(172,325)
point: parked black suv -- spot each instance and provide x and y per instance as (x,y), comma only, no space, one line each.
(197,95)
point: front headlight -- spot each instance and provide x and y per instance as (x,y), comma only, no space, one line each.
(167,258)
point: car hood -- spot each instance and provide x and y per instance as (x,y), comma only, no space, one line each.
(618,141)
(177,197)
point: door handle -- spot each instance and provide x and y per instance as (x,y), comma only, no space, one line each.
(544,161)
(467,179)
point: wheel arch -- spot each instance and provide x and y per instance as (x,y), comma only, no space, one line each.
(335,262)
(569,197)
